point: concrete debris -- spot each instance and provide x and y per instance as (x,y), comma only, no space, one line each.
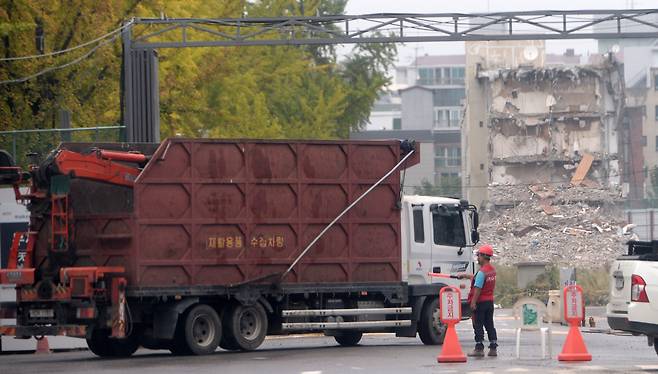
(532,74)
(559,224)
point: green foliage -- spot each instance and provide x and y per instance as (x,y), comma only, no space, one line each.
(364,72)
(449,186)
(652,200)
(595,284)
(654,182)
(506,292)
(237,92)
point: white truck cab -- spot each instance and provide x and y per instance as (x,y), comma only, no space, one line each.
(438,234)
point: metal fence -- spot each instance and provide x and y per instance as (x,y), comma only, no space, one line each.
(41,141)
(645,221)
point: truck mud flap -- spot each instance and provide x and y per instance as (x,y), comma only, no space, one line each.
(412,330)
(77,331)
(165,318)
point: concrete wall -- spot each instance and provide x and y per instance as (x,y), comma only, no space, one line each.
(424,170)
(382,120)
(417,109)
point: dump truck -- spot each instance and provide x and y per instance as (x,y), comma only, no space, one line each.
(193,244)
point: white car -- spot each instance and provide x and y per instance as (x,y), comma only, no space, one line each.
(633,305)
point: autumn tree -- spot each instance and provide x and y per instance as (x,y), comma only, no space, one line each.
(262,92)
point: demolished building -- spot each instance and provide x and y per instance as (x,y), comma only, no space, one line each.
(543,121)
(544,154)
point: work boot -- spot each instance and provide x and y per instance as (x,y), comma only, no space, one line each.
(493,352)
(477,352)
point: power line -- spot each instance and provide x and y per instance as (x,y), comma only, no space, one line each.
(59,67)
(55,53)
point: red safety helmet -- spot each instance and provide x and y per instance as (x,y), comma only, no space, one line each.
(486,250)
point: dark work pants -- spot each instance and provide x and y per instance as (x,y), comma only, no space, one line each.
(483,319)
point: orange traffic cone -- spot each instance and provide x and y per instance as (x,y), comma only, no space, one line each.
(42,346)
(574,347)
(452,350)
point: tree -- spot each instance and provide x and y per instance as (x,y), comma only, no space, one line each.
(259,92)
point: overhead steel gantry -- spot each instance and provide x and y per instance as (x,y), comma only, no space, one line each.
(145,35)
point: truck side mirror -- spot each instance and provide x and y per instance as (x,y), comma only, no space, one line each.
(476,220)
(475,236)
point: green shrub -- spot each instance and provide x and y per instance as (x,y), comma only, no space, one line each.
(595,284)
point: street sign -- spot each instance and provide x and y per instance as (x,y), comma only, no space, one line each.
(573,304)
(450,305)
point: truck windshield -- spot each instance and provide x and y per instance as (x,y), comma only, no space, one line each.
(448,226)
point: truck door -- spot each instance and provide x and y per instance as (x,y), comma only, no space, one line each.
(449,254)
(419,261)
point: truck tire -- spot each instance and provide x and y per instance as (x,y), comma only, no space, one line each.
(100,344)
(228,341)
(430,328)
(348,338)
(202,331)
(247,326)
(655,345)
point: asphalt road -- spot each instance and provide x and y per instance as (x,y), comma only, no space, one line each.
(377,353)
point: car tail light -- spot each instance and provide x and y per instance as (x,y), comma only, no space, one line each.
(638,291)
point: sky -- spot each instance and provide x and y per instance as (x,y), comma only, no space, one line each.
(407,52)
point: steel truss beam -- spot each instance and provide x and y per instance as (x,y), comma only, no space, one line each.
(382,28)
(145,35)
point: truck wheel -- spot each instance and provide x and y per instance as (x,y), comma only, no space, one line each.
(228,341)
(655,345)
(99,343)
(124,347)
(247,326)
(430,328)
(348,338)
(202,331)
(102,345)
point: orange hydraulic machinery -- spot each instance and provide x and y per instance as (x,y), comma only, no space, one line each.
(42,297)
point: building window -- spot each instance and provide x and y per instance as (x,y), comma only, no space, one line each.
(397,123)
(448,96)
(656,143)
(425,76)
(447,118)
(447,156)
(655,82)
(458,75)
(644,141)
(441,76)
(656,109)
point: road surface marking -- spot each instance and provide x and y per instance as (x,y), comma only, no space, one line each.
(311,372)
(517,370)
(647,367)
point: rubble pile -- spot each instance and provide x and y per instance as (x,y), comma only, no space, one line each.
(562,225)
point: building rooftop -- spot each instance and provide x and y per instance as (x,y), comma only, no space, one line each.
(435,60)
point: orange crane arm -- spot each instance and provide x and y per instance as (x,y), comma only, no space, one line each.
(100,166)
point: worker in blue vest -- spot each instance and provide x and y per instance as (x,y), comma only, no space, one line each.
(481,301)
